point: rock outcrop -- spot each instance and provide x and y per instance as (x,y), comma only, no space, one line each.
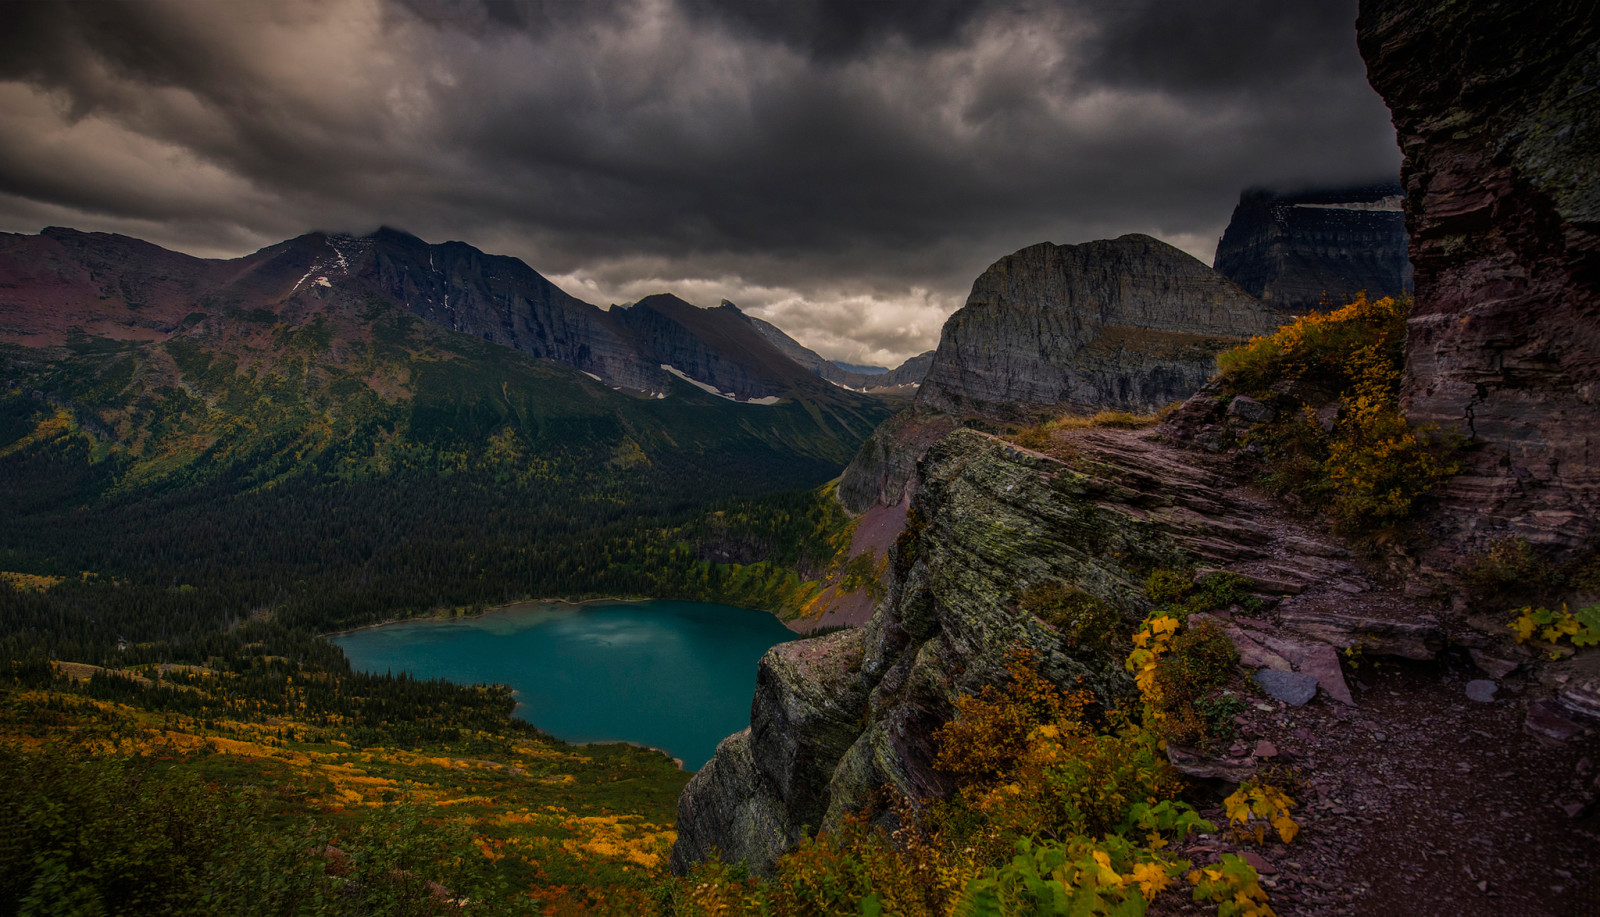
(1301,251)
(1495,107)
(838,719)
(1129,324)
(1126,324)
(884,469)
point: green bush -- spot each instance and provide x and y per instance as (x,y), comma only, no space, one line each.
(89,834)
(1080,618)
(1201,660)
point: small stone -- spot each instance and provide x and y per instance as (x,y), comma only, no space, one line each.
(1321,662)
(1293,688)
(1481,690)
(1548,720)
(1265,749)
(1493,666)
(1573,809)
(1483,886)
(1250,410)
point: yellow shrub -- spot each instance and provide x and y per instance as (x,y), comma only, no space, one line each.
(1370,469)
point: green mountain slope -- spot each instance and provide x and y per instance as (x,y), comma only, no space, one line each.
(340,460)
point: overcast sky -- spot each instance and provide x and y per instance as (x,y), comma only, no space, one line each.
(842,169)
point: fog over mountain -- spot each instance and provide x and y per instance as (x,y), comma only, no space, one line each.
(840,169)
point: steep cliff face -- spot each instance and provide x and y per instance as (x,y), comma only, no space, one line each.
(838,719)
(1131,324)
(1300,251)
(1126,324)
(884,469)
(497,298)
(1494,104)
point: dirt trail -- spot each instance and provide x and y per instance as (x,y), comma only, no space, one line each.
(1414,798)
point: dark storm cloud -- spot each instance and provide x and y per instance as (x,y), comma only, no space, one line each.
(844,168)
(839,28)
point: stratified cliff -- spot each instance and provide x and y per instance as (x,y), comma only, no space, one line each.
(1300,251)
(1495,106)
(1125,324)
(1130,324)
(838,719)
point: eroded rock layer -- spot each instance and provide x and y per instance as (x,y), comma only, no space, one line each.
(1495,107)
(839,719)
(1302,251)
(1129,324)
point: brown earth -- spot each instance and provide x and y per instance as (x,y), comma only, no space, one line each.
(1414,799)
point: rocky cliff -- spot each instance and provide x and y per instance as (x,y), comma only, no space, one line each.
(1126,324)
(1495,104)
(1298,251)
(838,719)
(1130,324)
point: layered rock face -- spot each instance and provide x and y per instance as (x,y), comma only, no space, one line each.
(1126,324)
(1495,107)
(838,719)
(1131,324)
(1301,251)
(884,469)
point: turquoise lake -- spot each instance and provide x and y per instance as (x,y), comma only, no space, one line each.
(677,676)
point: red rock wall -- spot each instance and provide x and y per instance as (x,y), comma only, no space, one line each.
(1497,108)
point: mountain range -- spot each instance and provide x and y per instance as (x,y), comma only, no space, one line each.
(355,427)
(121,288)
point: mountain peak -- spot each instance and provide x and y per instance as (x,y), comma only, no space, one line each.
(1129,324)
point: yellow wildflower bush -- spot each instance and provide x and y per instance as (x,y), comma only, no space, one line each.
(1581,627)
(1367,467)
(1255,806)
(1058,808)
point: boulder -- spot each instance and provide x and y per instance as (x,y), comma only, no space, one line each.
(1293,688)
(1250,410)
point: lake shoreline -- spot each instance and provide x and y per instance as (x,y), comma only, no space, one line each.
(670,677)
(451,615)
(640,745)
